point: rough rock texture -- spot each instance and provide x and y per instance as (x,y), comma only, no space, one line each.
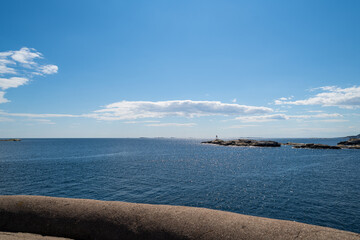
(244,143)
(312,145)
(353,143)
(27,236)
(349,146)
(91,219)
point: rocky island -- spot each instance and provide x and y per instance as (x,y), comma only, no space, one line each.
(311,145)
(244,143)
(352,143)
(11,140)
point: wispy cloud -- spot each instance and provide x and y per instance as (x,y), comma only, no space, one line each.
(5,119)
(5,66)
(332,120)
(242,126)
(276,117)
(263,118)
(2,98)
(178,108)
(48,69)
(42,121)
(12,82)
(17,67)
(171,125)
(137,122)
(330,96)
(25,55)
(35,115)
(133,110)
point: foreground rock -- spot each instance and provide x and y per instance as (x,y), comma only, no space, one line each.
(353,143)
(92,219)
(312,146)
(27,236)
(244,143)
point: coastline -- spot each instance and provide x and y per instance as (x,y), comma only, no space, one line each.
(94,219)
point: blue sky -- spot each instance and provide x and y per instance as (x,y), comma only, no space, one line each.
(179,68)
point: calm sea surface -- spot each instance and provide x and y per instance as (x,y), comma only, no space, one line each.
(306,185)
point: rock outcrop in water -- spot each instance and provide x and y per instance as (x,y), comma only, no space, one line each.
(353,143)
(244,143)
(11,140)
(312,145)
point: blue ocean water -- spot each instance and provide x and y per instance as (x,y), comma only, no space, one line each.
(306,185)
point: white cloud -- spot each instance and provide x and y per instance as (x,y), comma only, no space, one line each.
(276,117)
(178,108)
(5,54)
(12,82)
(263,118)
(26,55)
(19,66)
(48,69)
(4,68)
(242,126)
(283,99)
(137,122)
(320,115)
(171,125)
(36,115)
(333,120)
(43,121)
(331,96)
(234,100)
(4,119)
(315,111)
(26,58)
(2,98)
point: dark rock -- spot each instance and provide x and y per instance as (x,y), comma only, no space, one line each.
(293,144)
(352,141)
(349,146)
(314,146)
(244,143)
(11,140)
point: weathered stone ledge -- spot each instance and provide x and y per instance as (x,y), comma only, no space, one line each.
(311,145)
(92,219)
(353,143)
(27,236)
(244,143)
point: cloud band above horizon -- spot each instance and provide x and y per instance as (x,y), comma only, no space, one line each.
(331,96)
(176,108)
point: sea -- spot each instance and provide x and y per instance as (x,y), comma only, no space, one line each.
(311,186)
